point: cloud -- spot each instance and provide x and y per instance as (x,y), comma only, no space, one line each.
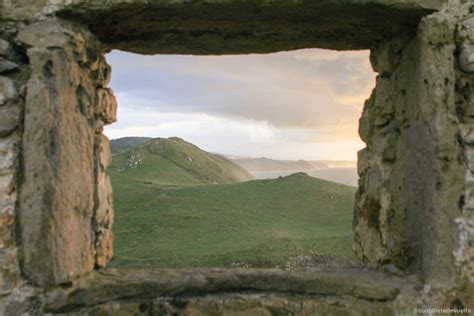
(315,89)
(302,104)
(234,137)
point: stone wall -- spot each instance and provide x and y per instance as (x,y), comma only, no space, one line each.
(413,222)
(64,209)
(408,194)
(56,199)
(13,78)
(464,102)
(412,213)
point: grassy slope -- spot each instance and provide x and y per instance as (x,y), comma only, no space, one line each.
(259,223)
(125,143)
(171,161)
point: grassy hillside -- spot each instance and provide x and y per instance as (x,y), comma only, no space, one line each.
(173,161)
(261,223)
(266,164)
(125,143)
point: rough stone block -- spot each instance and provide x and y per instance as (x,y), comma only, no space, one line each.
(7,66)
(104,246)
(106,106)
(45,34)
(7,227)
(7,190)
(469,155)
(57,197)
(7,90)
(9,117)
(5,48)
(9,274)
(23,9)
(467,133)
(105,72)
(466,58)
(362,161)
(465,29)
(103,220)
(469,179)
(469,198)
(8,153)
(23,300)
(104,152)
(386,57)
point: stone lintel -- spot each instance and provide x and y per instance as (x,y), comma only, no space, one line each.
(242,27)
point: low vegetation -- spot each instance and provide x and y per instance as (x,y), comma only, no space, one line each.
(171,161)
(170,216)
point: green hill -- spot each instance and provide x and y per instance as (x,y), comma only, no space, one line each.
(291,221)
(179,206)
(125,143)
(173,161)
(265,165)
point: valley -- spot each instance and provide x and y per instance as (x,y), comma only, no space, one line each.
(179,206)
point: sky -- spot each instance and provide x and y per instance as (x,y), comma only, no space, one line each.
(302,104)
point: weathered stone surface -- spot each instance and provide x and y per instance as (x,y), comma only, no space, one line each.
(410,190)
(115,285)
(379,230)
(105,156)
(386,58)
(8,153)
(106,106)
(56,209)
(467,133)
(49,34)
(9,118)
(23,9)
(26,10)
(443,191)
(244,305)
(466,58)
(7,90)
(104,214)
(465,29)
(224,27)
(9,269)
(464,252)
(7,66)
(7,237)
(24,300)
(5,48)
(414,210)
(11,107)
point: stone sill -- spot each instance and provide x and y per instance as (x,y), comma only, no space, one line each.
(116,285)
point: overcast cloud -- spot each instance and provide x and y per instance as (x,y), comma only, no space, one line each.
(303,104)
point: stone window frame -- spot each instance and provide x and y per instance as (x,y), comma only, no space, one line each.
(417,122)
